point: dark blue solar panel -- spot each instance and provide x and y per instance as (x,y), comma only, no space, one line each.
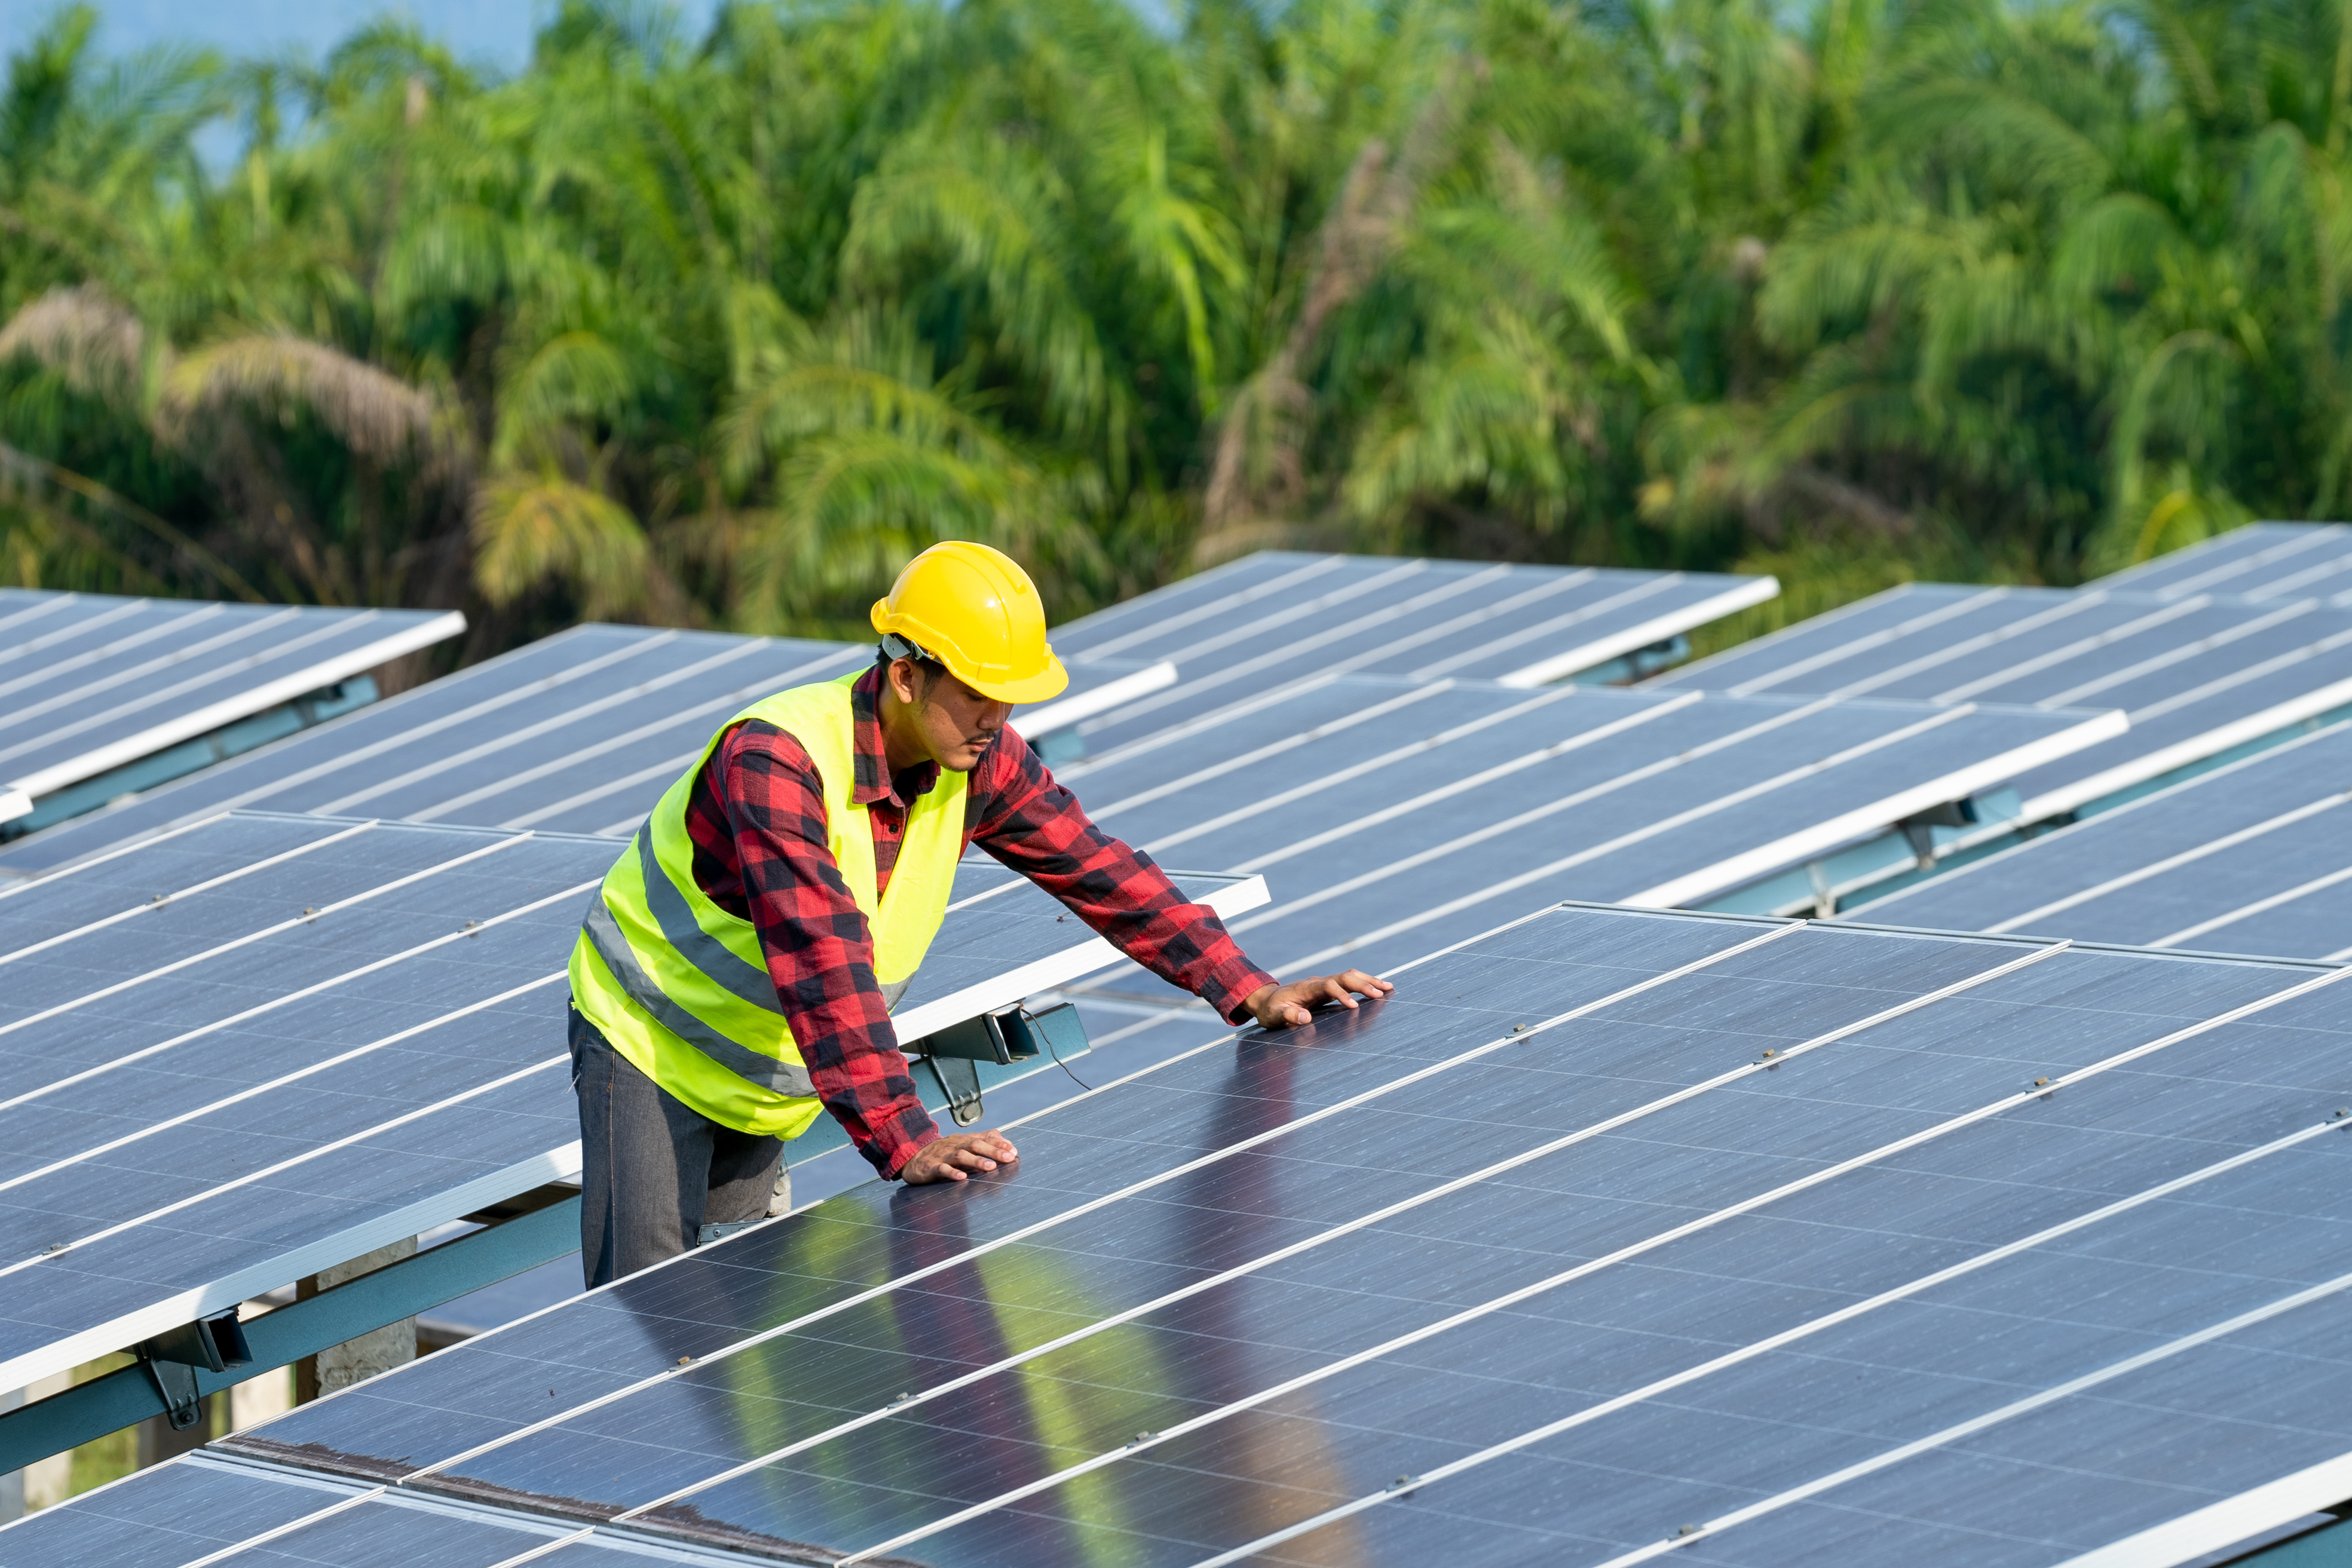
(83,674)
(202,1093)
(2195,674)
(2261,560)
(2243,859)
(574,733)
(1776,1218)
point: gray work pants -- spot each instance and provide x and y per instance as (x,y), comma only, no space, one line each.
(656,1176)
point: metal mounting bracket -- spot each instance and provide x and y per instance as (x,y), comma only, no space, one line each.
(1004,1038)
(172,1360)
(959,1080)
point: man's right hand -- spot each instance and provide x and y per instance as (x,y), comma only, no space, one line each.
(948,1157)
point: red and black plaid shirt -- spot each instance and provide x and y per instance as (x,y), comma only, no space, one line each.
(757,818)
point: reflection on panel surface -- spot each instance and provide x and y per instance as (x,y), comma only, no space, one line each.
(1605,1225)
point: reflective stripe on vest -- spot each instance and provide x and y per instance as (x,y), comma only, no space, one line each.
(681,987)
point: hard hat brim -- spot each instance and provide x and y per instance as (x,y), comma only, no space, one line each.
(1048,683)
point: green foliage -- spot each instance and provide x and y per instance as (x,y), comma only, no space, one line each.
(717,329)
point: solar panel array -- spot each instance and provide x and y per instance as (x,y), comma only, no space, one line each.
(1866,1237)
(2254,858)
(1613,1236)
(253,1048)
(248,1049)
(2196,674)
(579,732)
(582,730)
(1389,820)
(2260,561)
(89,682)
(1256,623)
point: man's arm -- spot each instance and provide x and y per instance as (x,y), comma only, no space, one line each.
(819,950)
(1023,818)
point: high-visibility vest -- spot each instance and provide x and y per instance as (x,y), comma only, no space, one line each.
(680,986)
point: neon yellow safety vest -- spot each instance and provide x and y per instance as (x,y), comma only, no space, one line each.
(680,985)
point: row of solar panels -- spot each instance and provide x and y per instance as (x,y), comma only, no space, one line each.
(307,1002)
(1373,736)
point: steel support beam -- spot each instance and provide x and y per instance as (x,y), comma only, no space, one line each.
(111,1403)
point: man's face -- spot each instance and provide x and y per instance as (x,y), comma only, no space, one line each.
(957,723)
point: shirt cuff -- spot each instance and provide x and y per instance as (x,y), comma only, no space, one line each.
(898,1138)
(1232,983)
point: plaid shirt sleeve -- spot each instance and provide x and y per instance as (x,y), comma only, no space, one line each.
(819,950)
(1020,815)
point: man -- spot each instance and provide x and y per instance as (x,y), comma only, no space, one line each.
(733,979)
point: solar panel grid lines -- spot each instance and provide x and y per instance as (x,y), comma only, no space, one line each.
(2259,991)
(2297,701)
(1746,595)
(1374,704)
(497,742)
(160,899)
(1209,674)
(2189,934)
(1497,797)
(2260,666)
(1712,1528)
(1204,596)
(1975,1425)
(1423,1476)
(1320,1238)
(2242,858)
(310,916)
(2224,1526)
(2259,560)
(108,681)
(1957,784)
(1739,938)
(1414,620)
(1095,687)
(832,660)
(1429,1330)
(1367,767)
(355,1084)
(1527,1292)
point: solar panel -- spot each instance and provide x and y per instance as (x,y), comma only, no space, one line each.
(89,682)
(1613,1236)
(248,1049)
(1392,819)
(2197,675)
(2253,857)
(2260,561)
(579,732)
(1252,625)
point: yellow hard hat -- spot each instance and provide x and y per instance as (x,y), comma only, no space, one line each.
(975,611)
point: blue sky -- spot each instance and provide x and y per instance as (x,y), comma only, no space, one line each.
(495,31)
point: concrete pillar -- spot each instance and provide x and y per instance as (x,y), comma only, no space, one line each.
(158,1441)
(258,1399)
(356,1361)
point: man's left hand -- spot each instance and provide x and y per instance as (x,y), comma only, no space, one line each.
(1288,1006)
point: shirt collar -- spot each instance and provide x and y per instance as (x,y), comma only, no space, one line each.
(873,765)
